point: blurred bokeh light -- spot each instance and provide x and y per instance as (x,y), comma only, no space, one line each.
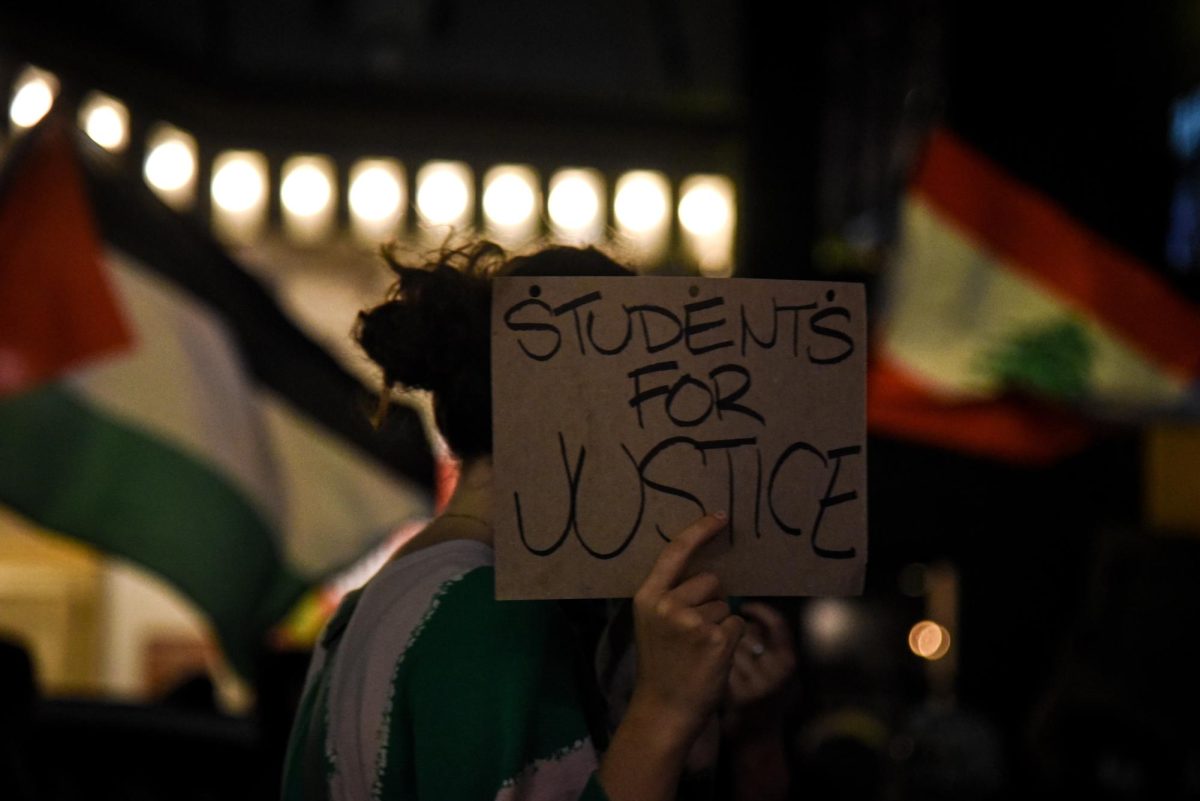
(33,96)
(929,640)
(574,205)
(170,166)
(444,193)
(706,214)
(376,199)
(106,120)
(239,194)
(307,197)
(510,202)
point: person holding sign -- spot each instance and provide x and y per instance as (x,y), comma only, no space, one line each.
(424,686)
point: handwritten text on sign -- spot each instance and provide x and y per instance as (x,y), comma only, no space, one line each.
(624,408)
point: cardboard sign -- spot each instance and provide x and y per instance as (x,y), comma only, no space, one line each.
(625,408)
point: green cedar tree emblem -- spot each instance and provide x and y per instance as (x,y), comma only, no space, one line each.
(1054,359)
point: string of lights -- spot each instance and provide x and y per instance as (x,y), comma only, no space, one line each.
(515,210)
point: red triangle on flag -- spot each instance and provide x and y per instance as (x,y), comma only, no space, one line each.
(1014,429)
(57,306)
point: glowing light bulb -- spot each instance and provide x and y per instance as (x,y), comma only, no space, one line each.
(375,193)
(306,195)
(171,162)
(704,210)
(640,205)
(238,185)
(706,217)
(33,97)
(444,193)
(574,201)
(239,196)
(509,196)
(377,199)
(170,165)
(306,190)
(929,640)
(106,121)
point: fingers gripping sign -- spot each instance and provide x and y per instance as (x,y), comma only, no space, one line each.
(686,635)
(764,661)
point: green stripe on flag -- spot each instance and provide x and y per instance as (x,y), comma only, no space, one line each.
(79,472)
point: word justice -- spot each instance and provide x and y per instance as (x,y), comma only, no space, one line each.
(773,494)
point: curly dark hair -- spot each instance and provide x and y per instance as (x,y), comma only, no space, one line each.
(433,331)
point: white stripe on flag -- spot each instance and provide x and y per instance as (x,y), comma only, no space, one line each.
(338,505)
(952,302)
(185,384)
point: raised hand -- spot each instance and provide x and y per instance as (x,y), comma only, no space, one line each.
(686,639)
(686,635)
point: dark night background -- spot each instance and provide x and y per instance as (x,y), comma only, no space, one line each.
(1076,661)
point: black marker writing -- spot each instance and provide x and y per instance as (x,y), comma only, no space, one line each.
(681,395)
(828,495)
(698,327)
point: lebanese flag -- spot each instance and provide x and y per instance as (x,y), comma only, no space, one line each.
(1009,324)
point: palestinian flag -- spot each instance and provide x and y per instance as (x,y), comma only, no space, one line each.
(1009,322)
(157,404)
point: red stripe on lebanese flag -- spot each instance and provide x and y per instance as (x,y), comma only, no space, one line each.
(1008,428)
(1039,240)
(51,260)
